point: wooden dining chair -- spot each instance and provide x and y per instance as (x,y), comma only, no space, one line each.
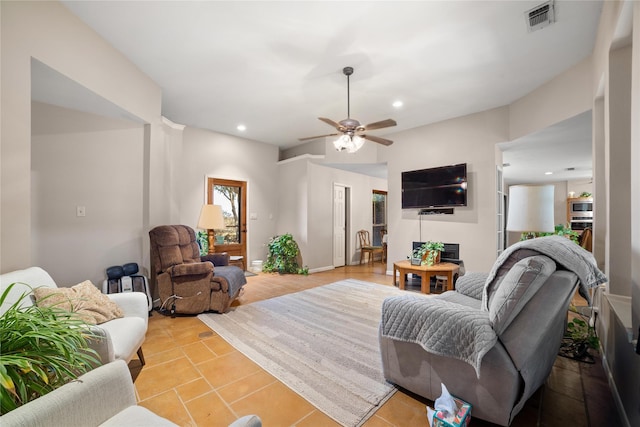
(366,247)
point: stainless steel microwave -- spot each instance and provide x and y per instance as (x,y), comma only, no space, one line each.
(581,208)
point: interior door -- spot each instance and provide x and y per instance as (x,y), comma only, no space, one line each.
(339,225)
(232,196)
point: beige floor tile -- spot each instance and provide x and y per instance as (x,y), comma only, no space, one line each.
(209,410)
(168,405)
(275,404)
(219,346)
(193,389)
(162,357)
(318,419)
(245,386)
(158,344)
(160,378)
(397,412)
(197,352)
(376,421)
(227,368)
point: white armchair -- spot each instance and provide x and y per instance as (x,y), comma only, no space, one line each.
(121,338)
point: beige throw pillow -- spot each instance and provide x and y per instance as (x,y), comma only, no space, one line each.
(84,299)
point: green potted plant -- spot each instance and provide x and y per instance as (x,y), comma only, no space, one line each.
(282,256)
(428,253)
(43,348)
(579,337)
(203,241)
(560,230)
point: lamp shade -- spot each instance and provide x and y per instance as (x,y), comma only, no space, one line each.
(530,208)
(211,217)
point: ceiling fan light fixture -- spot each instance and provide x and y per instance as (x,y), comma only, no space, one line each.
(342,142)
(356,143)
(349,143)
(353,133)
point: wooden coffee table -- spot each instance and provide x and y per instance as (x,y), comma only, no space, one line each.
(425,272)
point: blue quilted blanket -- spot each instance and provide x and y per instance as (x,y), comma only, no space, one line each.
(234,276)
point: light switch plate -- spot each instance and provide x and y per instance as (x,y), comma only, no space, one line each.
(80,211)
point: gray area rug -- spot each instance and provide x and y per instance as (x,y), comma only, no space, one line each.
(321,342)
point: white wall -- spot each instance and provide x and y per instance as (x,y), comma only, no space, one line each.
(579,186)
(293,203)
(616,99)
(306,207)
(48,32)
(562,97)
(635,182)
(104,174)
(618,146)
(470,139)
(211,154)
(321,181)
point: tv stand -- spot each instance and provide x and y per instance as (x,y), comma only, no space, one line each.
(436,211)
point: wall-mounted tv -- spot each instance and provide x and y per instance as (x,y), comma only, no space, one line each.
(444,186)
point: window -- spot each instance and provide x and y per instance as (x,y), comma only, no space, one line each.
(379,216)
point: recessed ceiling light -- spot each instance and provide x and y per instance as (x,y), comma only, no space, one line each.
(397,104)
(241,128)
(548,173)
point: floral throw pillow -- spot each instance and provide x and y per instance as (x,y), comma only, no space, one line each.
(83,299)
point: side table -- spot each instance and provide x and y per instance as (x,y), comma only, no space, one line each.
(238,261)
(425,272)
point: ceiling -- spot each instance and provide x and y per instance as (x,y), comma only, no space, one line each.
(276,67)
(561,152)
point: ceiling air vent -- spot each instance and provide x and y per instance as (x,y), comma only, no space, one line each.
(540,16)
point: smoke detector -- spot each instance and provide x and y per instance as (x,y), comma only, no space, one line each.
(540,16)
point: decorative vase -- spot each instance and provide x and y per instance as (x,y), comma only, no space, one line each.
(436,258)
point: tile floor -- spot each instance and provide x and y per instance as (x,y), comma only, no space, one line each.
(195,378)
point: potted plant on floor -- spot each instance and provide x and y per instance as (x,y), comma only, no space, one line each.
(579,337)
(282,257)
(43,348)
(428,253)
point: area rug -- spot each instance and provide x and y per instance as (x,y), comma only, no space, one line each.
(321,342)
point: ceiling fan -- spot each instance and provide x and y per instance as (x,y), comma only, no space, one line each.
(353,133)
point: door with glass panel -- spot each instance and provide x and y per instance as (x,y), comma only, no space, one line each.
(232,196)
(380,221)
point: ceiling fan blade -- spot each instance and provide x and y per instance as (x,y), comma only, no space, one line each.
(377,139)
(381,124)
(330,122)
(319,136)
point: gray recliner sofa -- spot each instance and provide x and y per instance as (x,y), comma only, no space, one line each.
(493,340)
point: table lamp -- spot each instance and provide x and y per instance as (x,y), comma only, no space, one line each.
(530,209)
(210,219)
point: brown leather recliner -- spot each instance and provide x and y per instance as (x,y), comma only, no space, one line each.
(184,281)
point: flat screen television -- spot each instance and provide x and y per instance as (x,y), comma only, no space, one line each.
(444,186)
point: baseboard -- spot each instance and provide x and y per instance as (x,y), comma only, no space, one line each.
(321,269)
(614,390)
